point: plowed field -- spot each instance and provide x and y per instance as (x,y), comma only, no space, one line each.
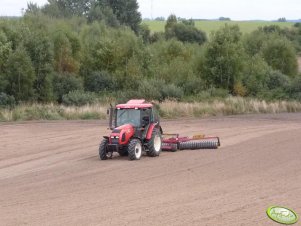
(50,174)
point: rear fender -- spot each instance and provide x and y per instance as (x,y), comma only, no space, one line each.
(150,131)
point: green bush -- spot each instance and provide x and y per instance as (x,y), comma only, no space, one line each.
(280,54)
(295,88)
(221,93)
(78,98)
(193,86)
(7,100)
(254,76)
(99,81)
(276,80)
(187,33)
(273,95)
(296,96)
(171,91)
(159,90)
(277,86)
(184,32)
(150,89)
(65,83)
(157,36)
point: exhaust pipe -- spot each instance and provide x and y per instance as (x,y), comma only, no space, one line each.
(110,112)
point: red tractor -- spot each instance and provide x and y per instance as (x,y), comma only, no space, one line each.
(135,128)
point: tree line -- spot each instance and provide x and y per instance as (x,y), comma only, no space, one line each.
(75,51)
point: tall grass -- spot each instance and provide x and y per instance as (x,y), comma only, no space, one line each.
(228,106)
(167,109)
(52,112)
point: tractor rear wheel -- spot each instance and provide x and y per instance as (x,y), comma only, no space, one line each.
(135,149)
(103,150)
(155,144)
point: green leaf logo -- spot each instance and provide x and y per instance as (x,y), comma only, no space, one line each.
(282,215)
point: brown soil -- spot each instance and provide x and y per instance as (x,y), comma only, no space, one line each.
(50,174)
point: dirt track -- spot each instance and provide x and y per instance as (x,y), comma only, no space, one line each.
(50,174)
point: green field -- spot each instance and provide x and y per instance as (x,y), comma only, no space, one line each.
(209,26)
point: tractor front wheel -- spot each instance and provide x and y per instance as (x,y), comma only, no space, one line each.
(155,144)
(135,149)
(103,150)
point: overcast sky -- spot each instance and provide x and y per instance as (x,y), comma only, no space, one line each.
(202,9)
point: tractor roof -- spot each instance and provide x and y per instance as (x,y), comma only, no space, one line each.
(132,104)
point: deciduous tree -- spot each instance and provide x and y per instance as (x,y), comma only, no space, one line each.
(21,75)
(224,56)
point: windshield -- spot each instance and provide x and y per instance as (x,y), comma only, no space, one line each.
(128,116)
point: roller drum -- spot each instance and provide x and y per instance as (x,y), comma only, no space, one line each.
(199,144)
(172,147)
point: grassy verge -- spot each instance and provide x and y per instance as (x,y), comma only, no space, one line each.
(52,112)
(228,106)
(168,109)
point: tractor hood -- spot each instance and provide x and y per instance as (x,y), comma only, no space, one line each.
(122,134)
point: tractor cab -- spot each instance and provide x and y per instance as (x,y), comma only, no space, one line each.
(135,112)
(139,118)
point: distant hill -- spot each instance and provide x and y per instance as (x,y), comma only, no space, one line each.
(294,21)
(9,17)
(212,25)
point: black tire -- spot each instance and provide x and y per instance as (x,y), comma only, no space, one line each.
(154,148)
(123,152)
(135,149)
(103,155)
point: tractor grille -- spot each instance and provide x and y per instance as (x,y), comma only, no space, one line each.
(115,141)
